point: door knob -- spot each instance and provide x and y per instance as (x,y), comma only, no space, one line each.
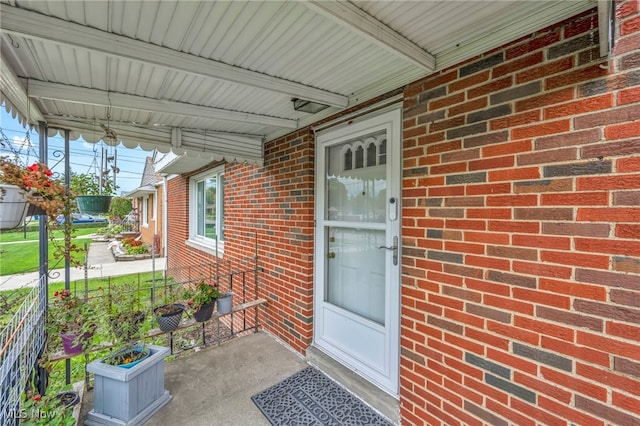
(393,248)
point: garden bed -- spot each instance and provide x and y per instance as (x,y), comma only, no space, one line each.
(127,257)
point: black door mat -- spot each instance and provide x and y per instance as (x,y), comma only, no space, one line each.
(309,398)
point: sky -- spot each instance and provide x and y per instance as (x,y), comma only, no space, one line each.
(85,156)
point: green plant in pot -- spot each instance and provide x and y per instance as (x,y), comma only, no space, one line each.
(72,320)
(123,315)
(35,186)
(52,409)
(128,383)
(169,313)
(200,299)
(93,195)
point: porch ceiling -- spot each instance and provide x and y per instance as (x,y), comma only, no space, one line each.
(217,77)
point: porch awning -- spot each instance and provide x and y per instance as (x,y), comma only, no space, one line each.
(141,192)
(156,68)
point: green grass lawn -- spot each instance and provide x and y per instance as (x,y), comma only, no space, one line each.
(32,234)
(19,255)
(11,299)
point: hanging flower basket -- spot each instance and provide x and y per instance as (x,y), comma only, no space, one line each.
(94,204)
(13,206)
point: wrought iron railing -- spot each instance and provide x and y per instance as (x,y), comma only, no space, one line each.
(190,334)
(23,341)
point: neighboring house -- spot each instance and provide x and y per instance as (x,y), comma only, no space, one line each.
(468,243)
(147,203)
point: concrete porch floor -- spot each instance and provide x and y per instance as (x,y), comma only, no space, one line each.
(214,385)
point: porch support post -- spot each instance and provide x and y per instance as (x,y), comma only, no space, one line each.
(42,223)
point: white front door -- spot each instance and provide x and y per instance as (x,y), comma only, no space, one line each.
(357,303)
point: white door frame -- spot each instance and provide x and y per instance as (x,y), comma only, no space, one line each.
(384,374)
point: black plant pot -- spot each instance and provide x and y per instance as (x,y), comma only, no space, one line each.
(204,313)
(168,316)
(68,398)
(35,211)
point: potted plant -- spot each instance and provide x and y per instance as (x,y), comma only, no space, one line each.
(225,302)
(128,396)
(123,313)
(52,409)
(93,196)
(72,319)
(169,313)
(13,195)
(36,185)
(129,382)
(201,299)
(33,185)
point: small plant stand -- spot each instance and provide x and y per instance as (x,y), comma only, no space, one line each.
(128,397)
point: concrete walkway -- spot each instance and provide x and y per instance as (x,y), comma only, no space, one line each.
(213,386)
(101,264)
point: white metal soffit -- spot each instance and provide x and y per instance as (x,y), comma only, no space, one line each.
(214,79)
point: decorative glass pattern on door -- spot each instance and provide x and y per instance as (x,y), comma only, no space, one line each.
(357,189)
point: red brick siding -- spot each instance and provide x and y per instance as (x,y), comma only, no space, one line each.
(521,226)
(274,203)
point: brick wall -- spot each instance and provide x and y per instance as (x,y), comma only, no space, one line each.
(271,207)
(521,234)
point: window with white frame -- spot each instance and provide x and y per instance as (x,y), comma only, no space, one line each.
(206,205)
(145,211)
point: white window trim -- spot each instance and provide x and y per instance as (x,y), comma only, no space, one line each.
(145,211)
(155,211)
(198,242)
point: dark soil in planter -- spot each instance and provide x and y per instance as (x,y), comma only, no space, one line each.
(168,316)
(166,310)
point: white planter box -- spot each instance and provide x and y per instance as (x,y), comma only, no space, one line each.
(128,396)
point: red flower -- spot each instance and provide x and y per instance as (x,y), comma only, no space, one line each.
(55,294)
(33,167)
(37,398)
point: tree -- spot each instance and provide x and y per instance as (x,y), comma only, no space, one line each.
(120,207)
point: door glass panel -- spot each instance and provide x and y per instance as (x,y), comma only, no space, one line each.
(356,271)
(358,194)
